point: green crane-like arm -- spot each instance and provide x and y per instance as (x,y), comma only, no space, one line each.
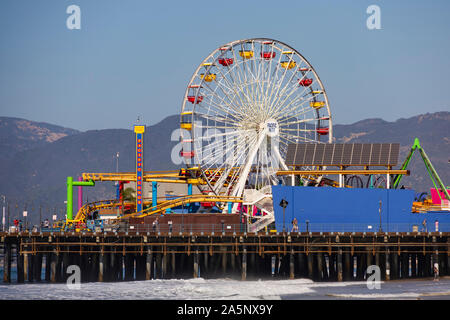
(430,169)
(70,185)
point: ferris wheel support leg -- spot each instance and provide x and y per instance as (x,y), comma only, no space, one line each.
(283,164)
(243,176)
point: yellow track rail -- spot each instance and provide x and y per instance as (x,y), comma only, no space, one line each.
(182,201)
(161,207)
(157,176)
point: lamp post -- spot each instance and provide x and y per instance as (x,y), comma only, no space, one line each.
(283,204)
(25,214)
(3,216)
(379,210)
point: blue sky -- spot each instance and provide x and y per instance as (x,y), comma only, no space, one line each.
(135,58)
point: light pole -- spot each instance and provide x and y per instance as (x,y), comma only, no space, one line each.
(284,204)
(379,210)
(3,216)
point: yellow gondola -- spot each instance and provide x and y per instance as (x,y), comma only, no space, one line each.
(246,54)
(317,92)
(186,125)
(288,64)
(317,104)
(209,77)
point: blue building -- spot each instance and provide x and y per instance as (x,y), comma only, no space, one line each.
(352,210)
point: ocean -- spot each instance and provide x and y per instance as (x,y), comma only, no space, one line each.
(227,289)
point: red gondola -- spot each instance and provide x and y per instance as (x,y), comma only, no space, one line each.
(323,131)
(305,82)
(268,55)
(226,61)
(192,99)
(187,154)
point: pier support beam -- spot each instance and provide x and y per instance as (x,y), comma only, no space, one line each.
(25,267)
(291,265)
(196,264)
(129,267)
(101,267)
(309,259)
(7,263)
(48,257)
(348,267)
(332,267)
(413,265)
(339,266)
(37,267)
(148,264)
(404,265)
(387,265)
(158,271)
(19,259)
(55,267)
(301,265)
(223,249)
(320,274)
(244,264)
(394,266)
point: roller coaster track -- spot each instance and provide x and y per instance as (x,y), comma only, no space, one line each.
(94,206)
(157,176)
(181,201)
(160,207)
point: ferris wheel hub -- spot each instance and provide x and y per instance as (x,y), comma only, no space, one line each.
(272,128)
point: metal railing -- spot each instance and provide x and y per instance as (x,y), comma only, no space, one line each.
(184,228)
(361,227)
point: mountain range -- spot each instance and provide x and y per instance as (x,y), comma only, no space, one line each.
(37,157)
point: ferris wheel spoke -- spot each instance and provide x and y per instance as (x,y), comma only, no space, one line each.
(276,99)
(288,95)
(279,84)
(285,136)
(288,108)
(233,107)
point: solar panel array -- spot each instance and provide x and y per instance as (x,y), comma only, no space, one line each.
(342,154)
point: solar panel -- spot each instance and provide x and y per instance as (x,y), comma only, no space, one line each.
(342,154)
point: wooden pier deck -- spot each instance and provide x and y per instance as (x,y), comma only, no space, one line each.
(131,256)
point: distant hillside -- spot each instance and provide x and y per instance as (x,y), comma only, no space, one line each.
(20,134)
(432,129)
(41,156)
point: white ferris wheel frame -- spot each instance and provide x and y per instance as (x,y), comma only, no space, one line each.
(240,79)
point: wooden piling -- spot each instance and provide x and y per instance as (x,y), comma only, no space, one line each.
(348,267)
(339,266)
(7,262)
(320,275)
(404,265)
(25,267)
(158,269)
(196,264)
(148,264)
(244,264)
(54,267)
(101,267)
(291,265)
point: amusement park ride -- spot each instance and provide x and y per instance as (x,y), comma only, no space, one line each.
(244,105)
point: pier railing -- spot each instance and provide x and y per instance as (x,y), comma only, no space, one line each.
(277,227)
(363,227)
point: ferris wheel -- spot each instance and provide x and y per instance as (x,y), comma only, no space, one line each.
(246,102)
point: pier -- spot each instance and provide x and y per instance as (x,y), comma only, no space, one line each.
(128,256)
